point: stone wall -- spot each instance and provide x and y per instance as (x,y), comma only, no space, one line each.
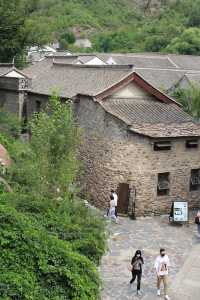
(10,101)
(13,93)
(112,155)
(32,100)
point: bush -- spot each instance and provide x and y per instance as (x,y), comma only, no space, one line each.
(70,221)
(9,124)
(50,242)
(36,265)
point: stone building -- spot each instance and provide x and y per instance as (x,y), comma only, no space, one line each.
(135,138)
(13,87)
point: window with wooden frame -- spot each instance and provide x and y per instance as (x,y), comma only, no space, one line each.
(163,186)
(192,143)
(195,180)
(162,145)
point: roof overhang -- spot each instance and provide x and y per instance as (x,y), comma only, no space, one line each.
(161,130)
(15,70)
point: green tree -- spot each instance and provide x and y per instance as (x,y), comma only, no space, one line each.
(193,14)
(11,29)
(65,39)
(187,43)
(190,99)
(48,166)
(15,34)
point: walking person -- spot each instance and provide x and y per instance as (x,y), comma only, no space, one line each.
(162,270)
(197,221)
(114,194)
(112,209)
(137,262)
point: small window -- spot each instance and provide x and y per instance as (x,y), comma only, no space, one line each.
(163,186)
(162,145)
(192,143)
(195,180)
(38,106)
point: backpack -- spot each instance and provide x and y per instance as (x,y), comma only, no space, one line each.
(197,220)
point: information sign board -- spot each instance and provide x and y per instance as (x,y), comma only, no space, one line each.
(180,211)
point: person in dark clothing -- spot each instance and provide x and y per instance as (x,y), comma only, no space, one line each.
(137,262)
(197,221)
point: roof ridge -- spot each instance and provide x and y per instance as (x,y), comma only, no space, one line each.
(168,69)
(115,67)
(61,56)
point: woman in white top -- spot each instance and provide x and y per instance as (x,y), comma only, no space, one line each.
(112,209)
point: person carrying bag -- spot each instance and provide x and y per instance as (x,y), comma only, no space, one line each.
(137,263)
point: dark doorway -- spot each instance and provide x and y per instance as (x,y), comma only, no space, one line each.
(24,117)
(123,192)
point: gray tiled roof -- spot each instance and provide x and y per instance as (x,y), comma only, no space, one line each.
(161,70)
(152,118)
(161,130)
(156,60)
(85,58)
(139,61)
(138,111)
(4,68)
(188,62)
(144,116)
(161,79)
(70,59)
(39,68)
(193,77)
(71,80)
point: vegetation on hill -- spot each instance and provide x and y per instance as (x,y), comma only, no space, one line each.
(112,25)
(51,244)
(189,98)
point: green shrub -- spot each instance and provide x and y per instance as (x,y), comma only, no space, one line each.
(9,124)
(70,221)
(50,242)
(37,265)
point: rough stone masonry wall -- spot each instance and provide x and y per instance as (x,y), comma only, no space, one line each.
(99,132)
(111,155)
(144,164)
(10,101)
(32,100)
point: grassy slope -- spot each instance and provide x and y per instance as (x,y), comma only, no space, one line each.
(91,15)
(141,30)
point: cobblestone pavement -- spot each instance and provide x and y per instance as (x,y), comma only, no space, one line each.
(149,235)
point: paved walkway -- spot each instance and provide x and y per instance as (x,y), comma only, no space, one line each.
(149,234)
(187,283)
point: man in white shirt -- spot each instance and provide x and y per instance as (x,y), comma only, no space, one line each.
(114,194)
(162,270)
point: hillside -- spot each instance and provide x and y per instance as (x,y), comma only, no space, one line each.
(111,25)
(125,25)
(91,16)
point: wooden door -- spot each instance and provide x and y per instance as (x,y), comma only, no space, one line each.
(123,198)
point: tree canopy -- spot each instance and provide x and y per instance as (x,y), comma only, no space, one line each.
(120,26)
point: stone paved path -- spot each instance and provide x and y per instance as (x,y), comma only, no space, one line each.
(147,234)
(187,283)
